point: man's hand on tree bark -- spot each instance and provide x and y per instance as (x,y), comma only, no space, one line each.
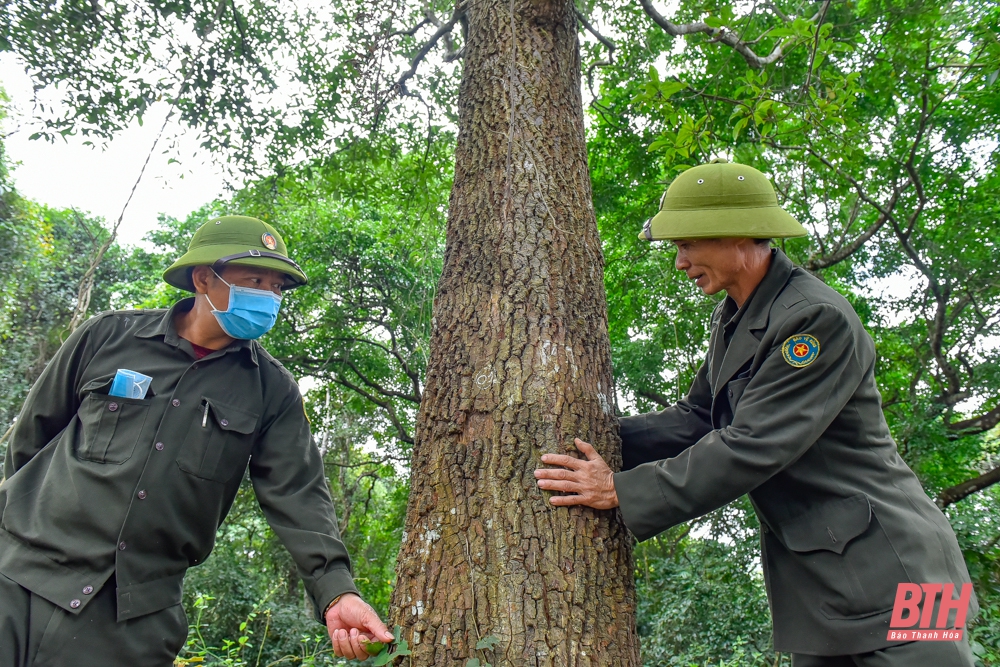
(348,621)
(591,482)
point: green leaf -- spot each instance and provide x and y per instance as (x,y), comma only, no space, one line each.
(714,22)
(473,662)
(670,88)
(657,145)
(489,641)
(740,124)
(372,648)
(386,654)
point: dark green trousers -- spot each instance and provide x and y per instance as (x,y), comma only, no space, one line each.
(913,654)
(36,633)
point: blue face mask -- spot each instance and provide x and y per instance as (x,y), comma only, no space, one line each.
(251,313)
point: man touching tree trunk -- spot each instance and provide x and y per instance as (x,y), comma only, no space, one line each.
(785,409)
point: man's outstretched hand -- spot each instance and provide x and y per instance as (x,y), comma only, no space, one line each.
(591,482)
(351,619)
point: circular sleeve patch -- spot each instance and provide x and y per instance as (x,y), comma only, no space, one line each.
(800,350)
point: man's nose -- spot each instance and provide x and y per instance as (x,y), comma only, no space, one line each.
(681,261)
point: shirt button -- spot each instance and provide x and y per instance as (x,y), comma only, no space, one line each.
(87,590)
(75,604)
(121,546)
(763,527)
(112,406)
(224,422)
(159,446)
(142,495)
(730,393)
(176,403)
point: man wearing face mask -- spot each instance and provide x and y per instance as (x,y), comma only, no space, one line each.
(111,493)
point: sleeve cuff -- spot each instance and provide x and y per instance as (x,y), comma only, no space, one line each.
(629,427)
(330,586)
(643,508)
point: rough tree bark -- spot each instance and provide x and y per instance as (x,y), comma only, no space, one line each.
(520,365)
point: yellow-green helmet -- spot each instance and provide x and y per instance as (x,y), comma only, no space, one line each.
(235,239)
(717,200)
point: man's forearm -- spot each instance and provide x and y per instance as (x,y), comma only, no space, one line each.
(661,435)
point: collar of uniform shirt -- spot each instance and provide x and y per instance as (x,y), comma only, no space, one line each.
(165,327)
(759,303)
(732,315)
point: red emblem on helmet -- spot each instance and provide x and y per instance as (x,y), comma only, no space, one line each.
(269,241)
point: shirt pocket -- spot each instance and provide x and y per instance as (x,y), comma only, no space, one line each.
(848,556)
(110,425)
(219,441)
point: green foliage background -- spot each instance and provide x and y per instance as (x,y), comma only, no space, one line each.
(878,126)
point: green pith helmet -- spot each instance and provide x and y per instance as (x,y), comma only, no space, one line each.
(235,239)
(720,199)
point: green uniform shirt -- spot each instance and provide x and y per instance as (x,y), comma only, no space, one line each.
(99,485)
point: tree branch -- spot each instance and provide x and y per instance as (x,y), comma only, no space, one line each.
(412,31)
(812,55)
(83,223)
(608,44)
(777,12)
(386,405)
(980,424)
(443,29)
(391,393)
(844,252)
(394,351)
(451,53)
(967,488)
(87,282)
(655,397)
(400,86)
(318,364)
(723,35)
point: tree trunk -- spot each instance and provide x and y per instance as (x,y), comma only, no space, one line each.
(520,365)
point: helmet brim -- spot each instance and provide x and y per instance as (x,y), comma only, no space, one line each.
(761,222)
(179,273)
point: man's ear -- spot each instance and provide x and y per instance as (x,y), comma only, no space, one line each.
(200,277)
